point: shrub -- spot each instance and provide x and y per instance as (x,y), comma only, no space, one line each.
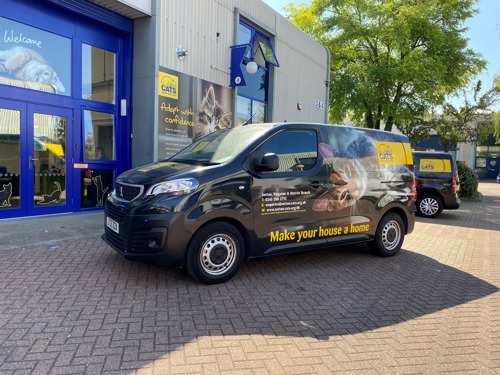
(469,181)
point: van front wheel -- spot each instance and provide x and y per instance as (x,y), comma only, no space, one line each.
(215,253)
(389,236)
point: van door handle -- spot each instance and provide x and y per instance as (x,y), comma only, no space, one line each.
(315,184)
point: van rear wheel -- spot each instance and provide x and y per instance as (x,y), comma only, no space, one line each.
(429,206)
(215,253)
(389,236)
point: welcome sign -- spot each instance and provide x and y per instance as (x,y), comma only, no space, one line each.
(40,59)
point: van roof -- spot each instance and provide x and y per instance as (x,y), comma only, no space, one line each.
(286,124)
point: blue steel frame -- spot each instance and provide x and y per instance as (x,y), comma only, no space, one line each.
(82,22)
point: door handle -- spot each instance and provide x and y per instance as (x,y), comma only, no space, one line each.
(32,159)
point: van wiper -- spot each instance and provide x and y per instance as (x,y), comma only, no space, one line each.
(206,162)
(194,161)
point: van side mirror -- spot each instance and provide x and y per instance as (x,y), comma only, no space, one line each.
(270,162)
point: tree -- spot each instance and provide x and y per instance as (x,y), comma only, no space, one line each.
(418,128)
(468,122)
(496,130)
(392,60)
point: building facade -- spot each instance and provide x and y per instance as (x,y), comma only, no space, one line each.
(89,89)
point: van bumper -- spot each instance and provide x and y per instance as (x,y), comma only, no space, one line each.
(147,238)
(452,203)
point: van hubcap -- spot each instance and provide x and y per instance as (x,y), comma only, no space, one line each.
(218,254)
(391,235)
(429,206)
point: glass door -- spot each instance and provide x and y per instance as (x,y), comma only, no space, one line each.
(35,160)
(11,151)
(49,160)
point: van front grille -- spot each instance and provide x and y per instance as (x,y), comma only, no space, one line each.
(126,192)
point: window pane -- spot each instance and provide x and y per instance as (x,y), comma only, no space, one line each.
(258,112)
(267,51)
(98,74)
(481,150)
(244,34)
(42,65)
(481,163)
(494,151)
(243,110)
(296,149)
(10,149)
(99,135)
(96,184)
(256,84)
(50,159)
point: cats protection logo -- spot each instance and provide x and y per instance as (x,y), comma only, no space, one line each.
(385,155)
(435,165)
(427,166)
(168,85)
(394,153)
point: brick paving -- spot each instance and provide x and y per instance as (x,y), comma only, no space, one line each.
(76,307)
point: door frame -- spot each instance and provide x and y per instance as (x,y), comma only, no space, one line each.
(32,209)
(27,205)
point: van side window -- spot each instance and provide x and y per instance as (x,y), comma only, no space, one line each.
(297,150)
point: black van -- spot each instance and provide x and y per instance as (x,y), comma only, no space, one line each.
(437,182)
(264,189)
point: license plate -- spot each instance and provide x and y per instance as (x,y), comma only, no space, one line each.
(113,225)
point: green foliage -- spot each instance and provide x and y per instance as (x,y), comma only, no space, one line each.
(485,134)
(469,181)
(393,60)
(497,127)
(470,122)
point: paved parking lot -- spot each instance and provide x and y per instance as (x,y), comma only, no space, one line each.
(74,306)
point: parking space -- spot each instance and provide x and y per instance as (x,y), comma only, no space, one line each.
(74,306)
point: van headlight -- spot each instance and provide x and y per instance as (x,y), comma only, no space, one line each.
(174,187)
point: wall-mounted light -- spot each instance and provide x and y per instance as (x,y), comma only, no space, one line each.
(252,67)
(181,52)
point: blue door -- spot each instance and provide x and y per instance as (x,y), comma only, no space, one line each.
(35,161)
(49,165)
(492,167)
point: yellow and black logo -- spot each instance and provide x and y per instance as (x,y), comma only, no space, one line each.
(435,165)
(168,85)
(385,154)
(427,166)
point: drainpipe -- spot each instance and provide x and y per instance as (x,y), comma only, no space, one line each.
(327,83)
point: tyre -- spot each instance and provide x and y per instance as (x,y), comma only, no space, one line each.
(389,236)
(429,206)
(215,253)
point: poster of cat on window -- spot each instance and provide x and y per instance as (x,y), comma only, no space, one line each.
(34,59)
(189,108)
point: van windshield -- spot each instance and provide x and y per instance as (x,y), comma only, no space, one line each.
(220,146)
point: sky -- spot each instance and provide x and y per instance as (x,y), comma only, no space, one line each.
(483,34)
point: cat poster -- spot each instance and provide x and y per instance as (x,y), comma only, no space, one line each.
(37,59)
(189,108)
